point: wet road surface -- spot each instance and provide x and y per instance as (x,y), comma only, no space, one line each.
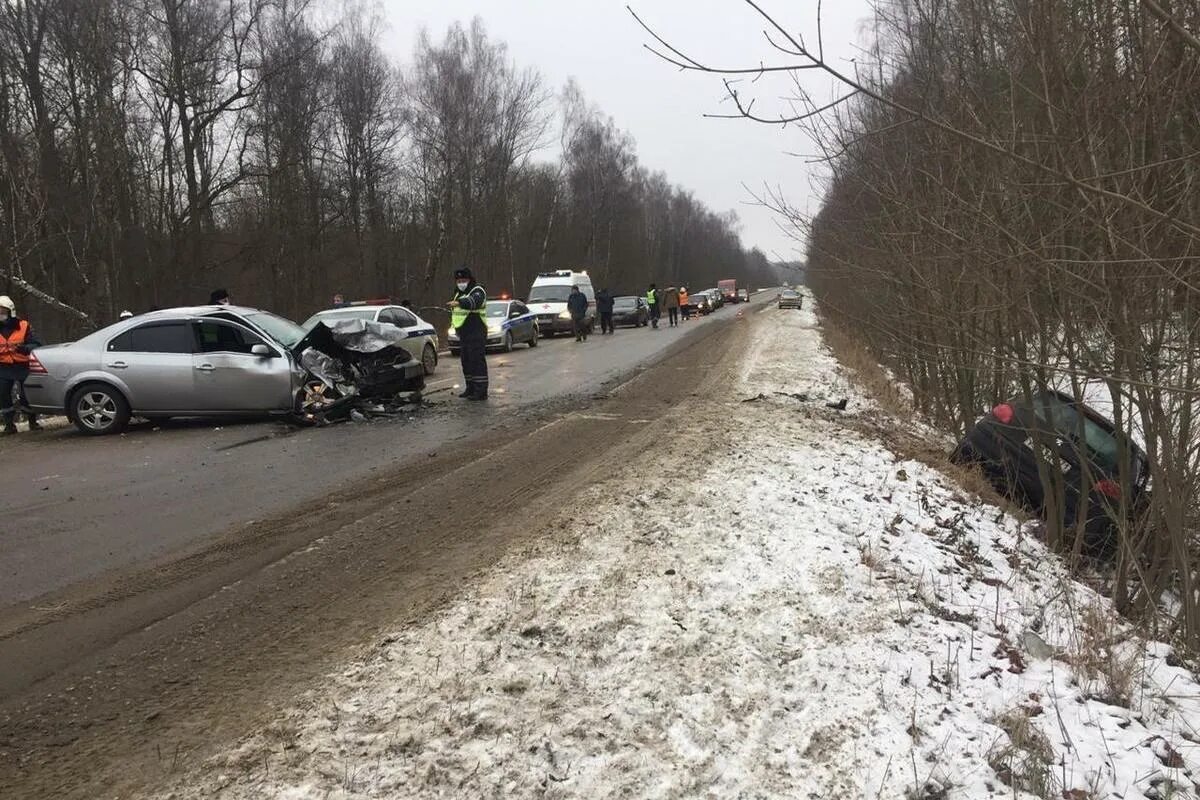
(82,506)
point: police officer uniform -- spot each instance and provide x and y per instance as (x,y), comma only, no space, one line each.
(468,316)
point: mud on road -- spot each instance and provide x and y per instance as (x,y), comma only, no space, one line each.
(133,678)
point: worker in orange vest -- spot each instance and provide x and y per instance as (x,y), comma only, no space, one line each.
(683,303)
(16,342)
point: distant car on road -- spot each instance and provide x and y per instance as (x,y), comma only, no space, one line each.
(744,295)
(199,361)
(700,303)
(1053,428)
(422,339)
(631,310)
(509,322)
(716,299)
(790,298)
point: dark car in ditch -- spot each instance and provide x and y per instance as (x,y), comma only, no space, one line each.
(1103,473)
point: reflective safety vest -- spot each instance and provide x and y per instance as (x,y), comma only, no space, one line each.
(8,347)
(651,297)
(683,297)
(459,315)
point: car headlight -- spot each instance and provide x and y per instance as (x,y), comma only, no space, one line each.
(565,315)
(493,328)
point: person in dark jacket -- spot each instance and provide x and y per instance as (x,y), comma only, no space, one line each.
(468,312)
(16,343)
(219,297)
(604,307)
(577,304)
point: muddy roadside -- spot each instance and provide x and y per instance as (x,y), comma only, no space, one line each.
(164,663)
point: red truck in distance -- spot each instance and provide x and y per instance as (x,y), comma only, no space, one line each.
(728,289)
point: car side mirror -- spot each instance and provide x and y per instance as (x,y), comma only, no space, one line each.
(260,350)
(514,314)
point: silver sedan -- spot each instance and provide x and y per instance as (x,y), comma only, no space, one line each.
(182,362)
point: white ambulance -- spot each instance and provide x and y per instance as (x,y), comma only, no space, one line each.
(548,300)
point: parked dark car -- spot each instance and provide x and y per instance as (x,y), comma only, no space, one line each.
(1064,434)
(700,303)
(631,310)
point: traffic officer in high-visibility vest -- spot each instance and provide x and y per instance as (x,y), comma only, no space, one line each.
(468,317)
(16,342)
(652,299)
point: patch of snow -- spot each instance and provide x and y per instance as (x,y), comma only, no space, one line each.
(795,612)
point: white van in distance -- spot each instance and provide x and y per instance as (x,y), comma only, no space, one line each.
(548,300)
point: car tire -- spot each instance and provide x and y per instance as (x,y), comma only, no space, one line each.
(98,409)
(533,340)
(429,359)
(508,342)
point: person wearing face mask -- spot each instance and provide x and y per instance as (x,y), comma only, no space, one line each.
(468,316)
(16,343)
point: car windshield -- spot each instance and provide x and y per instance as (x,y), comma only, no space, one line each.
(625,302)
(338,313)
(497,309)
(549,294)
(790,293)
(1102,445)
(284,331)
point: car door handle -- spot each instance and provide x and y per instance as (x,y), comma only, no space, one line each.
(118,365)
(205,367)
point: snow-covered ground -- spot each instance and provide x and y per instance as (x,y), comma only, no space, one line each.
(797,612)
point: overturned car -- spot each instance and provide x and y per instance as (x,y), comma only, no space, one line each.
(213,361)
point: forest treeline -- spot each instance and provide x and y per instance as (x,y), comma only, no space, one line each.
(1014,204)
(151,150)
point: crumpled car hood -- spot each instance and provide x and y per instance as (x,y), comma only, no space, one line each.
(355,360)
(341,337)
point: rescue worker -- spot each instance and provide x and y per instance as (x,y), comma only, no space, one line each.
(468,316)
(683,304)
(577,304)
(16,342)
(671,301)
(652,301)
(219,297)
(604,307)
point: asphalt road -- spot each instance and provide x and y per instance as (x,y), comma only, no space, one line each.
(169,640)
(78,507)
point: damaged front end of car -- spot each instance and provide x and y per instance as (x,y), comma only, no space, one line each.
(352,368)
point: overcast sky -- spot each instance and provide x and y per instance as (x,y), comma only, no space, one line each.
(599,44)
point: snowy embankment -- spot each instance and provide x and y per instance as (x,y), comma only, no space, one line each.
(796,613)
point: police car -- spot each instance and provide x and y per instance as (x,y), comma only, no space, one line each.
(509,322)
(422,341)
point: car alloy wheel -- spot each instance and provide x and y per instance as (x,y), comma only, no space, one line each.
(96,409)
